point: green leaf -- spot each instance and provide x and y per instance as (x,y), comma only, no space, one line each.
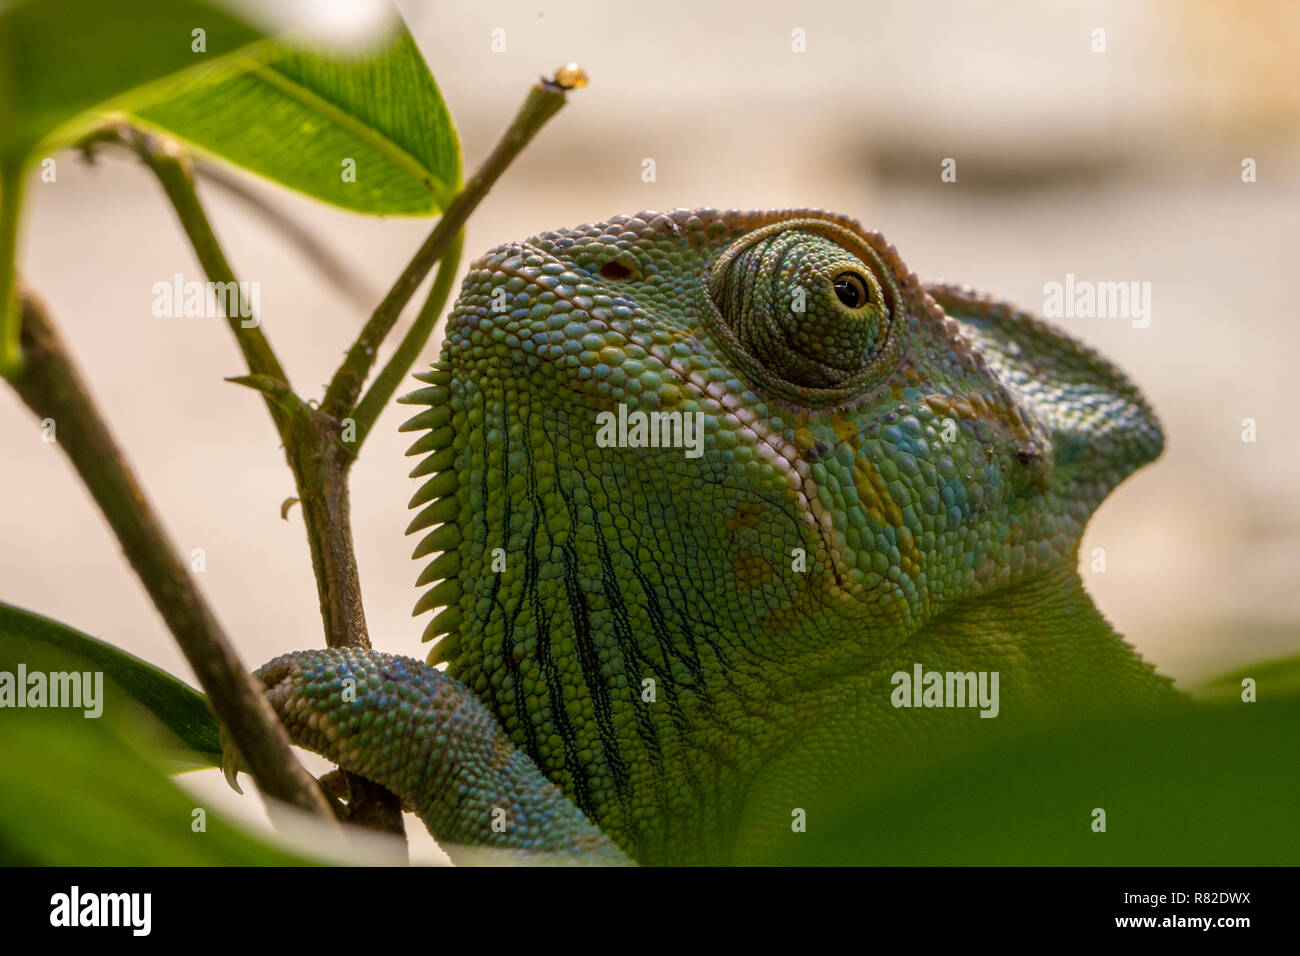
(305,119)
(1198,785)
(1273,679)
(154,710)
(74,794)
(60,58)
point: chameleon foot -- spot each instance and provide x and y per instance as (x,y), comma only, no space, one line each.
(428,739)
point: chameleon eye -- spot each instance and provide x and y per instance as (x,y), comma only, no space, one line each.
(850,290)
(615,270)
(806,306)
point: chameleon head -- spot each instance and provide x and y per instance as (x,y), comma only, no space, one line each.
(652,441)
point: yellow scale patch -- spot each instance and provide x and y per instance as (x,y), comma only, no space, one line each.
(874,497)
(750,569)
(975,406)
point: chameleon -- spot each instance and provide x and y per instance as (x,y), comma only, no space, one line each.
(660,656)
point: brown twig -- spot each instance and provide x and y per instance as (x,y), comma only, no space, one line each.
(399,363)
(175,174)
(52,388)
(320,443)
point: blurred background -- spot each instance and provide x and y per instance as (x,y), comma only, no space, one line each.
(1122,164)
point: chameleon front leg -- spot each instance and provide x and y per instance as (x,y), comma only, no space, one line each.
(428,739)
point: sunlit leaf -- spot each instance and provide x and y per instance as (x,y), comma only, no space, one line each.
(366,131)
(60,58)
(1272,679)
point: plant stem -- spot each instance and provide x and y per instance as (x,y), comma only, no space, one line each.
(311,439)
(175,174)
(544,100)
(320,467)
(318,448)
(311,445)
(51,386)
(399,364)
(11,189)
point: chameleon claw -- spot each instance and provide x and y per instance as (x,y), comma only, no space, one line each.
(230,762)
(335,782)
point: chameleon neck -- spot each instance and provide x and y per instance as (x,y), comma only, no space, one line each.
(662,697)
(1055,655)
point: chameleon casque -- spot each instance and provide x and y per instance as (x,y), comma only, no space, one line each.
(654,657)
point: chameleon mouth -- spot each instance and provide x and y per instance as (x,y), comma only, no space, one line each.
(1100,425)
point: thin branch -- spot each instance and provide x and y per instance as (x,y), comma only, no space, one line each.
(173,169)
(312,448)
(11,189)
(318,448)
(311,439)
(399,364)
(334,269)
(319,463)
(544,100)
(51,386)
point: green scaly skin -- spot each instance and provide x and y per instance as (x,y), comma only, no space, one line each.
(892,474)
